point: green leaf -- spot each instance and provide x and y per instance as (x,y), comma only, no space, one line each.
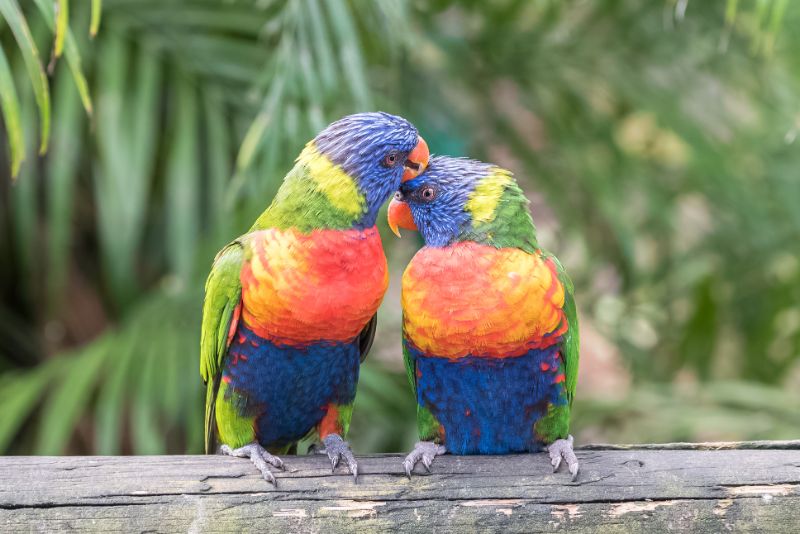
(255,133)
(66,402)
(62,169)
(10,10)
(350,53)
(219,164)
(72,54)
(778,12)
(322,46)
(169,379)
(110,410)
(94,25)
(11,115)
(311,81)
(183,172)
(697,345)
(147,436)
(126,135)
(62,26)
(20,394)
(203,20)
(25,201)
(730,12)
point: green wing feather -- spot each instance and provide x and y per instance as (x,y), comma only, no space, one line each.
(555,424)
(410,364)
(570,343)
(223,297)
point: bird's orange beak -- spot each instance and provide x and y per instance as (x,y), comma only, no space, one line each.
(400,217)
(417,161)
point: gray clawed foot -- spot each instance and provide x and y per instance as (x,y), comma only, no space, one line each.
(562,449)
(425,451)
(336,448)
(260,458)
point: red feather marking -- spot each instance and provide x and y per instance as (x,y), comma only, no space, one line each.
(330,423)
(237,311)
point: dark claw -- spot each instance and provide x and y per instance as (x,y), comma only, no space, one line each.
(268,476)
(352,465)
(574,470)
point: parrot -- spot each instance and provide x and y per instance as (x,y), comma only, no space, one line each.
(289,308)
(490,328)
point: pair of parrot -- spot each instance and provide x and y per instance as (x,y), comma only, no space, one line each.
(489,324)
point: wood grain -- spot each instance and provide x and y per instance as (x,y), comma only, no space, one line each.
(627,489)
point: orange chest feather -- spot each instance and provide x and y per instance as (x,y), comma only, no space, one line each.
(474,299)
(321,286)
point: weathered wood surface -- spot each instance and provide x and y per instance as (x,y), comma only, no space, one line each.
(628,489)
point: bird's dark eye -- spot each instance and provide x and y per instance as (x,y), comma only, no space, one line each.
(398,196)
(391,159)
(428,194)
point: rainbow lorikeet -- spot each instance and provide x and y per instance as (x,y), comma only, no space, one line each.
(290,306)
(490,331)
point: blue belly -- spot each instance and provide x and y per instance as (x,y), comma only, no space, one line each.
(287,388)
(489,405)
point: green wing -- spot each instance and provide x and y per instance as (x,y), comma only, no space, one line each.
(570,342)
(555,424)
(428,426)
(409,363)
(220,308)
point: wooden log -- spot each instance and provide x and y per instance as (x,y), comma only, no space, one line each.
(705,488)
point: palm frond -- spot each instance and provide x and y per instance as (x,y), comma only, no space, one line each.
(13,16)
(10,106)
(97,10)
(56,15)
(64,38)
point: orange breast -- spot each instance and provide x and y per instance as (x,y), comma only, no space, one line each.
(475,299)
(322,286)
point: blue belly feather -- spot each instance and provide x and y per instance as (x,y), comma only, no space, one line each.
(489,405)
(289,388)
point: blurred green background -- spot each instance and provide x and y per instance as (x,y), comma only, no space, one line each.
(656,140)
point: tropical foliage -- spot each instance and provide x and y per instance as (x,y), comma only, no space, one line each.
(657,141)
